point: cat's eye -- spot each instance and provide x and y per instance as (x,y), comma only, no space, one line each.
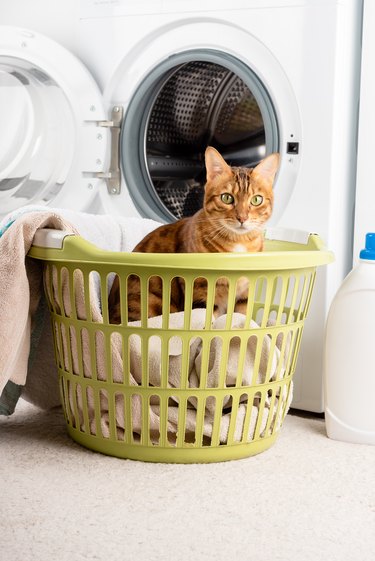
(227,198)
(256,200)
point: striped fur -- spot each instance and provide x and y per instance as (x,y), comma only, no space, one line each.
(218,227)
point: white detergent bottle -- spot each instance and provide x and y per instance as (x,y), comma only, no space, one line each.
(349,365)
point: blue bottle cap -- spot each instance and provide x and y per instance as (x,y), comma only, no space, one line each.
(369,251)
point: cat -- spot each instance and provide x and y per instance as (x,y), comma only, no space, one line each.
(237,203)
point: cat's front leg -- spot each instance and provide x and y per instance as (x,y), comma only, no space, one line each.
(242,295)
(221,297)
(241,306)
(114,302)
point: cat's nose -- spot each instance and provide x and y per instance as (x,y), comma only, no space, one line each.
(241,218)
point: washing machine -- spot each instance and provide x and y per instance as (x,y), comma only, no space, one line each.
(107,106)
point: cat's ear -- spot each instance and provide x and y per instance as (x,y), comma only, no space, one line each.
(268,167)
(215,164)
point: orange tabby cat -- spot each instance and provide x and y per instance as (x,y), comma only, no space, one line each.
(237,202)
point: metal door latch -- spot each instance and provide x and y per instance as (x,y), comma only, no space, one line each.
(113,175)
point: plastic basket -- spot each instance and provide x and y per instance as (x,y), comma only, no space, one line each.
(185,391)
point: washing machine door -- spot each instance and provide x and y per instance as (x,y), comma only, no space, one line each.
(193,83)
(52,150)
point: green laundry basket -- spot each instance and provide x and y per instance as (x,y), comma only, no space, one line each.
(182,387)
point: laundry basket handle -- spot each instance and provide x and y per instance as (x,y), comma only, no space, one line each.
(49,238)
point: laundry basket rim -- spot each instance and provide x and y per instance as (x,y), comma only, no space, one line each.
(278,255)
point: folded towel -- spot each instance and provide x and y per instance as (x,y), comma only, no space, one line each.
(21,290)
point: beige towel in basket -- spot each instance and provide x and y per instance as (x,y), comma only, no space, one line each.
(174,373)
(214,367)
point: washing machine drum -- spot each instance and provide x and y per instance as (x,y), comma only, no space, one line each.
(194,105)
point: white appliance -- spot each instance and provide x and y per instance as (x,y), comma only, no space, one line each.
(365,192)
(252,78)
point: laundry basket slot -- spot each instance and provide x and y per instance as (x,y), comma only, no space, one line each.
(209,380)
(259,297)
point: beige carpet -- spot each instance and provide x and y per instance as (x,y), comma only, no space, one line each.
(306,498)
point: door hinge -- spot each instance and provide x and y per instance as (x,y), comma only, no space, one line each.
(113,175)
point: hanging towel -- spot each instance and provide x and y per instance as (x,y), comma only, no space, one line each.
(25,340)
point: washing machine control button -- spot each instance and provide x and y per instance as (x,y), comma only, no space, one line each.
(292,148)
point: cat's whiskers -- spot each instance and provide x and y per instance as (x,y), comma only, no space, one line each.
(220,228)
(244,229)
(204,219)
(221,232)
(233,232)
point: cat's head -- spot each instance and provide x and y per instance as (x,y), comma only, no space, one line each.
(240,199)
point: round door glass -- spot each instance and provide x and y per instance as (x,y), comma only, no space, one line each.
(188,103)
(37,140)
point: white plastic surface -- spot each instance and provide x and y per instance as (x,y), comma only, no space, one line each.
(288,235)
(50,238)
(349,371)
(50,104)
